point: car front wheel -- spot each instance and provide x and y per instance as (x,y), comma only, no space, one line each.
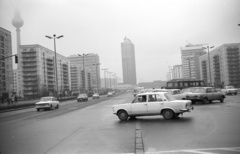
(123,115)
(205,100)
(168,114)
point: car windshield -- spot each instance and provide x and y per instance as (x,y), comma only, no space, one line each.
(170,97)
(81,95)
(44,99)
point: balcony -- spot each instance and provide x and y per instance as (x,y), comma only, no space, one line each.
(29,60)
(30,89)
(29,74)
(29,70)
(30,84)
(27,55)
(29,79)
(29,65)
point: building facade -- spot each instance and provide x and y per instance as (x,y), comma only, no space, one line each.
(224,66)
(177,72)
(128,62)
(38,72)
(80,79)
(190,61)
(90,61)
(6,64)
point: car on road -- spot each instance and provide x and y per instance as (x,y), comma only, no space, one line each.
(82,97)
(153,103)
(205,95)
(95,96)
(47,103)
(110,94)
(183,93)
(229,90)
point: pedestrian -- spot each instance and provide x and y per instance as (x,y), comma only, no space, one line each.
(15,98)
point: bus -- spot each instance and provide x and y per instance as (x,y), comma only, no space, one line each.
(184,83)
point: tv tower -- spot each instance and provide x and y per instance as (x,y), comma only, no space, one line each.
(17,22)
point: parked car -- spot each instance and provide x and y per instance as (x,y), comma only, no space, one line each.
(82,97)
(47,103)
(183,93)
(205,95)
(153,103)
(95,96)
(229,90)
(110,94)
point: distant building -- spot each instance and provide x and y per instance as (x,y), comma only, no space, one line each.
(80,82)
(177,72)
(92,62)
(6,64)
(190,60)
(38,77)
(128,62)
(15,81)
(224,65)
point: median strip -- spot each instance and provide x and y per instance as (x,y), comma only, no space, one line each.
(139,147)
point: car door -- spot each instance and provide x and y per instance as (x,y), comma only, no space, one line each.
(140,106)
(216,95)
(209,93)
(155,103)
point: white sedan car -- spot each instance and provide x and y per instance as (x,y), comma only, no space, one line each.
(47,103)
(153,103)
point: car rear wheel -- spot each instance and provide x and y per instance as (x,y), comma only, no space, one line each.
(168,114)
(222,99)
(123,115)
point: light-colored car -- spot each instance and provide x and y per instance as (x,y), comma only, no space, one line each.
(95,96)
(183,93)
(229,90)
(82,97)
(47,103)
(205,95)
(153,103)
(110,94)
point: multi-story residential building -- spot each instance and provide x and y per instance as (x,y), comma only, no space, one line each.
(90,61)
(15,82)
(80,79)
(38,70)
(224,65)
(177,72)
(190,61)
(128,62)
(6,65)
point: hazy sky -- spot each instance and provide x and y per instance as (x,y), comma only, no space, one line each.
(157,28)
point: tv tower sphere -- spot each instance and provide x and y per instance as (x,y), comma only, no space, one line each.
(17,21)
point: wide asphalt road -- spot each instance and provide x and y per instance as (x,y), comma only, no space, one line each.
(90,127)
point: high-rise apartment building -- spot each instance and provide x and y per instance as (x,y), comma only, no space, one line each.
(80,79)
(224,66)
(38,77)
(15,82)
(128,62)
(6,65)
(90,61)
(190,61)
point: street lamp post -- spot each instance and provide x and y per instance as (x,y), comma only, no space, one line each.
(105,69)
(208,47)
(54,38)
(97,64)
(84,87)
